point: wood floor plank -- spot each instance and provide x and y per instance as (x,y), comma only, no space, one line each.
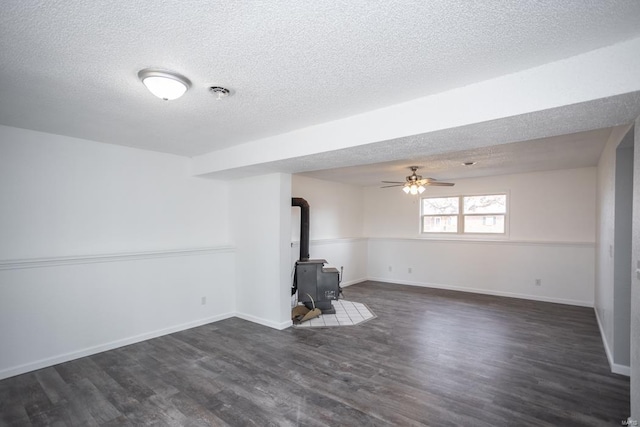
(430,358)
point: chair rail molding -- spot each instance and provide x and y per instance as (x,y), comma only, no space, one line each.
(14,264)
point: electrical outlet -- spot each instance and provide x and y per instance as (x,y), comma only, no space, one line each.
(538,282)
(203,300)
(409,270)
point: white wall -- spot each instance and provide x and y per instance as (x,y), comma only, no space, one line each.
(567,195)
(605,244)
(336,216)
(496,268)
(559,252)
(261,229)
(101,246)
(65,197)
(337,209)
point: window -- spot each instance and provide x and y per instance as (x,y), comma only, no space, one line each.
(440,214)
(485,214)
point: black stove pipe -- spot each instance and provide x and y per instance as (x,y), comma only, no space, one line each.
(304,226)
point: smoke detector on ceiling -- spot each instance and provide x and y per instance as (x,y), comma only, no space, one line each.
(219,92)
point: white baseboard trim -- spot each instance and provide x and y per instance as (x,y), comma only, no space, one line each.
(50,361)
(264,322)
(485,292)
(615,367)
(620,369)
(352,282)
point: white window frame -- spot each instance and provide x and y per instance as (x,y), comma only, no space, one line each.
(461,215)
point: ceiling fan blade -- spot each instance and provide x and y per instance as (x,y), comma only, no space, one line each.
(440,184)
(417,180)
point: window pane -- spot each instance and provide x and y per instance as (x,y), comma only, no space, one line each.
(494,203)
(440,205)
(484,224)
(440,224)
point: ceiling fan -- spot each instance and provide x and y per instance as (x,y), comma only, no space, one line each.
(415,184)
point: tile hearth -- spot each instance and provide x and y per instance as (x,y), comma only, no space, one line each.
(348,313)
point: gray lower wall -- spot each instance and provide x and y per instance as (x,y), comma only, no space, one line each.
(635,285)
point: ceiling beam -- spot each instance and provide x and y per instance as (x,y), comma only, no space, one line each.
(600,88)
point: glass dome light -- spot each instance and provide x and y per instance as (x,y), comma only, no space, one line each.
(165,85)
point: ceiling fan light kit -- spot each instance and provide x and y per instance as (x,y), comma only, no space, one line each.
(413,189)
(414,184)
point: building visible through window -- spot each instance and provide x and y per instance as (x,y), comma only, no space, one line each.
(484,214)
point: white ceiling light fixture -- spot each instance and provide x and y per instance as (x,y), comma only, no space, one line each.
(413,189)
(166,85)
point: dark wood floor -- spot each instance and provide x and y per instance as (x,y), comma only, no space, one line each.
(431,357)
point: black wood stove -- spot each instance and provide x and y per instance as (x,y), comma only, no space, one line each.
(316,285)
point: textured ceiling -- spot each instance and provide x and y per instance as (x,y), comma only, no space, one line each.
(69,67)
(576,150)
(557,138)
